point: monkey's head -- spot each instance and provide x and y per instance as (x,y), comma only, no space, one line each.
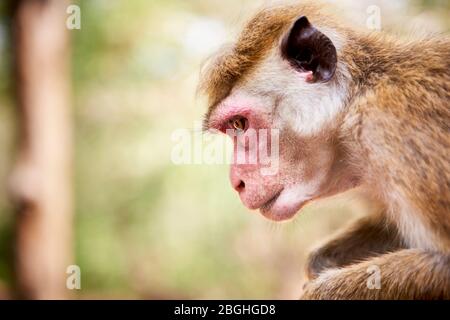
(279,92)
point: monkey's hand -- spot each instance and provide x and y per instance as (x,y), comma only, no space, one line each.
(405,274)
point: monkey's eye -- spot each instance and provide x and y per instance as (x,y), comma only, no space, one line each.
(239,124)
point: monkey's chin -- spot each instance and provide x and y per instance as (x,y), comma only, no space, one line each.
(278,211)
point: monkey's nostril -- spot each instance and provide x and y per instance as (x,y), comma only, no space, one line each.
(237,183)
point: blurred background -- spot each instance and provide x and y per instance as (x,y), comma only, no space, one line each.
(142,226)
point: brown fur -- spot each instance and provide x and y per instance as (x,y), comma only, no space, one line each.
(400,97)
(403,89)
(405,274)
(395,133)
(368,237)
(259,35)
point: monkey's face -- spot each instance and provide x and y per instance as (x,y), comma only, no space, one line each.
(275,168)
(282,117)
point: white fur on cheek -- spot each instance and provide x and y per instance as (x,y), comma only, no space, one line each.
(311,109)
(293,197)
(300,192)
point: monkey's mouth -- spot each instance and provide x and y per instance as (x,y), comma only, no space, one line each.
(269,204)
(278,210)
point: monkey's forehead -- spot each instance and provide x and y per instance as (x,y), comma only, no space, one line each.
(261,33)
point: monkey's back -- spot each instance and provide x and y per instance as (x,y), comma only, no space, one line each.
(406,127)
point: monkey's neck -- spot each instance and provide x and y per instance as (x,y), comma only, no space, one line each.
(395,126)
(371,58)
(374,58)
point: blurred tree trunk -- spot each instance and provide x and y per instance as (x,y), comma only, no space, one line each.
(41,179)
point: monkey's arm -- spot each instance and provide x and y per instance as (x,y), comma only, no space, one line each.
(405,274)
(367,237)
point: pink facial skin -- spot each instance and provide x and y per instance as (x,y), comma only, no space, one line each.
(275,195)
(239,106)
(308,168)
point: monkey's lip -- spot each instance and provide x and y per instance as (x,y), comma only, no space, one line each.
(269,204)
(275,211)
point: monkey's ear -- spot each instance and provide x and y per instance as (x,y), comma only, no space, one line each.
(307,49)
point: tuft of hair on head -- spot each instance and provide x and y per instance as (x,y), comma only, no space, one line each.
(261,33)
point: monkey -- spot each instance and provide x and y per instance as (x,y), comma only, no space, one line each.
(354,109)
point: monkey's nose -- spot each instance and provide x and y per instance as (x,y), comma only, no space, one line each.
(240,187)
(237,183)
